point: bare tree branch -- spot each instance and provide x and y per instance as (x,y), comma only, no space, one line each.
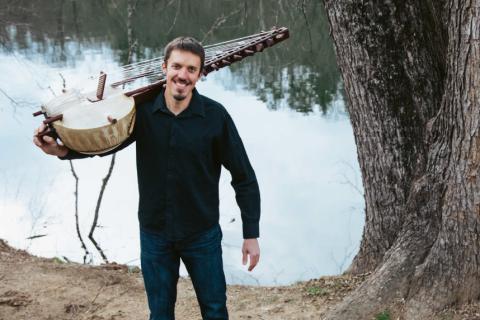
(13,101)
(175,18)
(132,43)
(303,9)
(84,247)
(64,82)
(219,21)
(97,209)
(75,176)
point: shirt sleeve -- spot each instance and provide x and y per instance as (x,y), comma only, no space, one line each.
(72,154)
(234,158)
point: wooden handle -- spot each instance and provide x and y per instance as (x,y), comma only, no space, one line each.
(52,119)
(101,85)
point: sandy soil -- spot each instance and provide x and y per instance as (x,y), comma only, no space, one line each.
(41,289)
(49,289)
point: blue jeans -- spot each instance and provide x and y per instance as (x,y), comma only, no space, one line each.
(202,256)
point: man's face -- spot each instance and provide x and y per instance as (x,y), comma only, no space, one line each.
(183,71)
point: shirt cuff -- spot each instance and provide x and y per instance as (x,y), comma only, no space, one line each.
(66,157)
(72,155)
(251,230)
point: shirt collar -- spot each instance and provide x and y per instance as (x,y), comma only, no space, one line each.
(195,107)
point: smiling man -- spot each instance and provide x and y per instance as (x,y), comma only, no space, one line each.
(182,140)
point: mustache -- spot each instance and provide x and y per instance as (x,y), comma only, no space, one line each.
(182,81)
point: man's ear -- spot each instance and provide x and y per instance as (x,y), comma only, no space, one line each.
(164,67)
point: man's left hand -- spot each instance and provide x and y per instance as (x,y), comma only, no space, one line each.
(250,249)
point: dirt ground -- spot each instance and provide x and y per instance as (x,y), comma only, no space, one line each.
(49,289)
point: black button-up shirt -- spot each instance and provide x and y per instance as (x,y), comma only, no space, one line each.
(179,161)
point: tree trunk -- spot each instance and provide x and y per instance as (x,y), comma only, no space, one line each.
(412,79)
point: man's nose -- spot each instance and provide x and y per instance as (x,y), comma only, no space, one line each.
(183,73)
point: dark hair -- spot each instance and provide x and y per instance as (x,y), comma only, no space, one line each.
(187,44)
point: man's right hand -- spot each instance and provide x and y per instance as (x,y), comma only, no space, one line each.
(48,144)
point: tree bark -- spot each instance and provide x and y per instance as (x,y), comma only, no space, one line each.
(412,80)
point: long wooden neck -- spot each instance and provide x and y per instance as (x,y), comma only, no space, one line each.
(217,56)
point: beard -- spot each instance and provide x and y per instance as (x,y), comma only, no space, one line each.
(179,97)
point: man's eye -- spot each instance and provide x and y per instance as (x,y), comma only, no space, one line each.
(192,70)
(176,67)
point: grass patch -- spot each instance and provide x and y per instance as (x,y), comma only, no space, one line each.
(317,291)
(385,315)
(58,260)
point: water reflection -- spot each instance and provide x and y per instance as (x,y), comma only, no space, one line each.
(300,73)
(311,220)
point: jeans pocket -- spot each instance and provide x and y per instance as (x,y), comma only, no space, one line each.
(208,240)
(152,244)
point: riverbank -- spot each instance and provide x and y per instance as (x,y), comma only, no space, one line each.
(45,289)
(50,289)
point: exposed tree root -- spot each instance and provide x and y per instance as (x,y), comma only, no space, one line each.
(417,281)
(387,285)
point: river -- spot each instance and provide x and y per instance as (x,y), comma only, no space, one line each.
(287,103)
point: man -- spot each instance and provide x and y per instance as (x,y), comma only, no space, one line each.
(182,140)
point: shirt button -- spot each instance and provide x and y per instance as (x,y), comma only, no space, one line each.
(172,138)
